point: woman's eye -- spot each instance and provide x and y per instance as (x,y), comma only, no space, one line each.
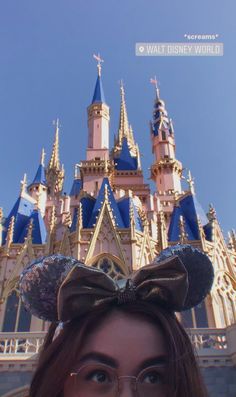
(99,377)
(152,377)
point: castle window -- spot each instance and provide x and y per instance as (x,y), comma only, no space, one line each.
(109,266)
(16,318)
(163,135)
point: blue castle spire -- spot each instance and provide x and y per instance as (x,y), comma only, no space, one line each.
(98,96)
(40,178)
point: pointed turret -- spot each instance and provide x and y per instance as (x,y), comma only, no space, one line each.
(188,216)
(166,170)
(40,178)
(105,193)
(55,172)
(126,152)
(124,129)
(38,188)
(54,160)
(98,96)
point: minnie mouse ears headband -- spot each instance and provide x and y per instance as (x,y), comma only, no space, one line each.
(58,288)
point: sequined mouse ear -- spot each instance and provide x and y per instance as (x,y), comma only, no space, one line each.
(39,284)
(199,268)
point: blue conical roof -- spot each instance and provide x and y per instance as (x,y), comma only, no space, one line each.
(98,95)
(40,177)
(124,161)
(190,209)
(21,211)
(99,202)
(39,232)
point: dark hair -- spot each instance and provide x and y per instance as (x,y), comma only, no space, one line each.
(58,356)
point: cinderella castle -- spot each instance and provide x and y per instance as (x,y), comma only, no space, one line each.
(112,220)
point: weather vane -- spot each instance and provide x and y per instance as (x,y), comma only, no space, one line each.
(99,60)
(155,82)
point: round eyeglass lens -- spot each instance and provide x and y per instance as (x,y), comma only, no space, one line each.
(150,382)
(94,381)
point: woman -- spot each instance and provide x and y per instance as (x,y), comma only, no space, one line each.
(117,338)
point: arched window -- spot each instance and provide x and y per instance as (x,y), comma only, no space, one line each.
(163,134)
(109,266)
(16,318)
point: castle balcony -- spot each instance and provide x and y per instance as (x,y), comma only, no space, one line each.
(213,346)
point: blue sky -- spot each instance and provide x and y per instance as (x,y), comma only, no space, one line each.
(47,71)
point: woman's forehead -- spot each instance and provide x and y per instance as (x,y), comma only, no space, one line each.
(125,335)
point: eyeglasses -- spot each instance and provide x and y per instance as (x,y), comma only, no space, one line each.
(94,380)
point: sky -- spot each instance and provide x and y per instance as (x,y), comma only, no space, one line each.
(47,71)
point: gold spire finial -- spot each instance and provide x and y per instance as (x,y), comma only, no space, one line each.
(42,159)
(183,236)
(122,89)
(23,184)
(155,82)
(190,181)
(54,160)
(212,213)
(124,123)
(99,61)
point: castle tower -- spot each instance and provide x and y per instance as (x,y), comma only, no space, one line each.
(98,122)
(97,164)
(38,188)
(54,171)
(166,171)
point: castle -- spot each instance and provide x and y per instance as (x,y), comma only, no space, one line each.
(110,220)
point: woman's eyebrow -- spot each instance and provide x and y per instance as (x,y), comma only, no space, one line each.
(156,360)
(99,357)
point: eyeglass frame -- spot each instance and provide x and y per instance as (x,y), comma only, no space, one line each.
(117,378)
